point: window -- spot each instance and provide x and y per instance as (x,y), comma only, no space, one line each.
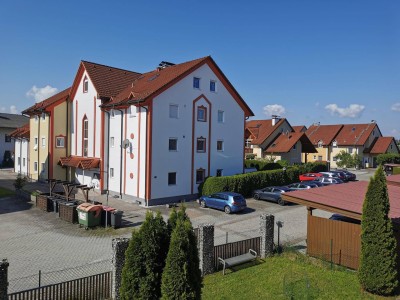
(200,175)
(85,85)
(294,146)
(173,144)
(315,157)
(44,116)
(85,136)
(19,161)
(43,166)
(201,144)
(320,144)
(172,178)
(43,142)
(23,162)
(248,143)
(35,166)
(36,141)
(350,150)
(220,145)
(213,86)
(196,82)
(334,143)
(36,118)
(219,173)
(202,114)
(132,111)
(60,142)
(320,158)
(112,142)
(221,116)
(173,111)
(8,138)
(111,172)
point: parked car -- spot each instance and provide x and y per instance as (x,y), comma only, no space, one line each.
(316,182)
(273,193)
(300,186)
(350,176)
(309,176)
(333,174)
(330,180)
(338,217)
(226,201)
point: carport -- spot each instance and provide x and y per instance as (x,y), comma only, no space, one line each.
(340,241)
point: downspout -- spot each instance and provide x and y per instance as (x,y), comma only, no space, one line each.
(67,142)
(38,150)
(49,151)
(20,156)
(121,152)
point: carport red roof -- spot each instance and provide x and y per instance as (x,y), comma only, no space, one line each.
(79,162)
(346,199)
(393,180)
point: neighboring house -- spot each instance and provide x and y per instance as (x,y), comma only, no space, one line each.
(155,136)
(382,145)
(8,123)
(299,128)
(323,139)
(276,138)
(48,136)
(21,149)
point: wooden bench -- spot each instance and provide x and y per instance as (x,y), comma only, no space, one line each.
(237,260)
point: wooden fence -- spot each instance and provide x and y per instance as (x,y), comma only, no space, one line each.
(91,287)
(236,248)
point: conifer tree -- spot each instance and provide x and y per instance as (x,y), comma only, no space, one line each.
(182,277)
(378,262)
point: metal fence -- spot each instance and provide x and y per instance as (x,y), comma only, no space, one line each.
(41,278)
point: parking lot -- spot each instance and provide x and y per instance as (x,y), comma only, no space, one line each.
(34,240)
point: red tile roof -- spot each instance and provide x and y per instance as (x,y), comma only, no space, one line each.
(79,162)
(21,132)
(284,143)
(261,129)
(382,144)
(324,133)
(40,106)
(346,198)
(108,81)
(299,128)
(355,134)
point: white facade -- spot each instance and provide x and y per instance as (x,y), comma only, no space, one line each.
(21,156)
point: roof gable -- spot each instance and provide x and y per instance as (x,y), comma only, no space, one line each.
(355,134)
(324,133)
(382,145)
(285,142)
(53,100)
(12,120)
(262,129)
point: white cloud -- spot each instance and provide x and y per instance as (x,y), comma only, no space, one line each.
(13,109)
(396,107)
(352,111)
(39,94)
(274,109)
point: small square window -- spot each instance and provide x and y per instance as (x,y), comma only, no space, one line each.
(112,142)
(173,111)
(43,166)
(213,86)
(111,172)
(173,144)
(220,145)
(196,82)
(201,145)
(43,142)
(219,172)
(23,162)
(315,157)
(85,85)
(202,114)
(7,138)
(221,116)
(200,174)
(60,142)
(172,178)
(35,166)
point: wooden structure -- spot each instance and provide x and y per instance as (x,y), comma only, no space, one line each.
(237,260)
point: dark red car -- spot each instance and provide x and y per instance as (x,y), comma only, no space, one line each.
(309,176)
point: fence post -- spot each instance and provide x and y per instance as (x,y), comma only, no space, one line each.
(267,235)
(119,246)
(206,248)
(4,279)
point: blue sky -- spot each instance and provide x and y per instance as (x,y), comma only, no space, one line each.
(309,61)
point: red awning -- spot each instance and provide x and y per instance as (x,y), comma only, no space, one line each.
(79,162)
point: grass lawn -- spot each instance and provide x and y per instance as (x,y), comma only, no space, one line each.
(284,275)
(5,192)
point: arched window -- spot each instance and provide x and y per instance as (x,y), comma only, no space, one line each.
(85,84)
(85,136)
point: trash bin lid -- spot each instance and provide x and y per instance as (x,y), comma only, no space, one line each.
(117,212)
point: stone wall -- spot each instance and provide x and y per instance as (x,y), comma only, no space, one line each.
(119,246)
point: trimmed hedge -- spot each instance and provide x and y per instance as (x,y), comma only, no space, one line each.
(396,171)
(245,184)
(388,158)
(261,165)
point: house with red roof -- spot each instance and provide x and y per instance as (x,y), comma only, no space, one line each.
(48,135)
(364,140)
(21,149)
(154,136)
(277,139)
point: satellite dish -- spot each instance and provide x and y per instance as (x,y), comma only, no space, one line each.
(125,143)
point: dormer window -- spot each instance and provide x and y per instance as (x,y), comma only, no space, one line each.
(334,143)
(320,144)
(85,84)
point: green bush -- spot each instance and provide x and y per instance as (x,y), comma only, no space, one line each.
(378,261)
(388,158)
(261,165)
(245,183)
(181,278)
(396,170)
(19,182)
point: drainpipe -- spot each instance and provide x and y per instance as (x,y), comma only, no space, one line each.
(49,151)
(121,152)
(38,150)
(67,140)
(20,155)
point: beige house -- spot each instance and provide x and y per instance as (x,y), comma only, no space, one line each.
(48,136)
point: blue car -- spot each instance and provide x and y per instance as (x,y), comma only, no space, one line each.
(226,201)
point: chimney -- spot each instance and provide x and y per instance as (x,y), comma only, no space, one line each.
(275,119)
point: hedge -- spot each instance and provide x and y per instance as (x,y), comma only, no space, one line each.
(261,165)
(396,171)
(386,158)
(245,184)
